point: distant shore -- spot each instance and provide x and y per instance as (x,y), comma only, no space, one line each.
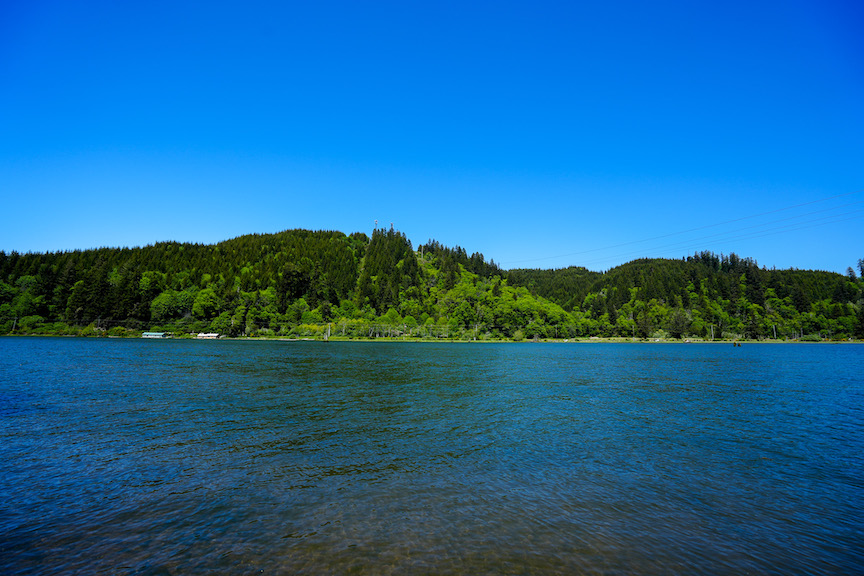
(568,341)
(588,340)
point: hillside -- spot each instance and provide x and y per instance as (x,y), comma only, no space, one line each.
(294,283)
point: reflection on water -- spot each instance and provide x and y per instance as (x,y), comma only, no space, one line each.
(169,457)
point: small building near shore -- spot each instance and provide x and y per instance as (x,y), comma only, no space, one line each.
(207,336)
(154,335)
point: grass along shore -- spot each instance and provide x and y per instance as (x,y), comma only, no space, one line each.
(91,331)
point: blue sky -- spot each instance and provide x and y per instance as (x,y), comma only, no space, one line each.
(542,134)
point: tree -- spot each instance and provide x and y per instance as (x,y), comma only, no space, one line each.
(164,306)
(293,284)
(859,321)
(678,323)
(222,323)
(389,267)
(410,324)
(205,305)
(644,322)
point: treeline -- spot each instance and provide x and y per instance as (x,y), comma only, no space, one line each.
(705,295)
(299,282)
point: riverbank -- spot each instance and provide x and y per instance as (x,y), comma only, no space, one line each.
(597,340)
(414,340)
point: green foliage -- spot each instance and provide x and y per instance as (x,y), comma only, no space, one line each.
(705,295)
(28,324)
(859,322)
(389,268)
(678,323)
(566,286)
(380,287)
(206,304)
(164,306)
(450,259)
(121,332)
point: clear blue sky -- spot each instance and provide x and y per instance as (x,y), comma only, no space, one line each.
(542,134)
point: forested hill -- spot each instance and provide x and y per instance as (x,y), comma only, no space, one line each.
(296,282)
(675,282)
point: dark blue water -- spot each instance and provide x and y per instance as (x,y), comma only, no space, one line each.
(179,457)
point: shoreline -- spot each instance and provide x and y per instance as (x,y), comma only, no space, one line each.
(385,340)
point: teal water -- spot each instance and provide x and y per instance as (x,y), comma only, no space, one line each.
(230,457)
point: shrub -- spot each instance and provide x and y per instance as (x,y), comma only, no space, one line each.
(121,332)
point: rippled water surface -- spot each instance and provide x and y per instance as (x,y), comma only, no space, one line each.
(179,457)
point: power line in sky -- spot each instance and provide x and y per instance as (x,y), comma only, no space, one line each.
(723,237)
(726,236)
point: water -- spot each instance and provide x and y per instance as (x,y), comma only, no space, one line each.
(179,457)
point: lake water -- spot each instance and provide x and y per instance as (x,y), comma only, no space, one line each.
(231,457)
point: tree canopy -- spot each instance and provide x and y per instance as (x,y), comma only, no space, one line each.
(294,283)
